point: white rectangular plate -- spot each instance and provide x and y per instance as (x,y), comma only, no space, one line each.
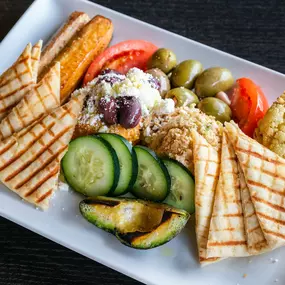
(176,262)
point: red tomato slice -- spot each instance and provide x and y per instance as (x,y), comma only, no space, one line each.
(248,104)
(122,57)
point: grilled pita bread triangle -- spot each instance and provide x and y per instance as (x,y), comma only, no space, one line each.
(227,235)
(207,167)
(30,159)
(16,81)
(36,55)
(256,242)
(42,98)
(264,173)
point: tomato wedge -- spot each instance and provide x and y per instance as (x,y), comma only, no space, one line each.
(248,104)
(121,57)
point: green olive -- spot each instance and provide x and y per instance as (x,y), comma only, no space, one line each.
(164,83)
(212,81)
(217,108)
(164,59)
(182,96)
(185,73)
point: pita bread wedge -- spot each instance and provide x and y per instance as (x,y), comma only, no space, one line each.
(206,164)
(256,242)
(36,55)
(264,173)
(16,81)
(42,98)
(30,159)
(227,235)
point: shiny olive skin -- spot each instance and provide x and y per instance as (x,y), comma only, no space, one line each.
(185,73)
(182,96)
(164,83)
(107,106)
(212,81)
(217,108)
(130,111)
(164,59)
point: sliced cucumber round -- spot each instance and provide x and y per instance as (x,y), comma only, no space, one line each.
(91,166)
(128,165)
(153,181)
(182,191)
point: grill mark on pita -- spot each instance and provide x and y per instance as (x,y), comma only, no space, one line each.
(271,205)
(51,90)
(35,138)
(27,103)
(258,184)
(210,259)
(227,243)
(255,154)
(31,126)
(253,229)
(9,124)
(3,83)
(15,91)
(259,245)
(250,215)
(274,175)
(232,215)
(274,234)
(43,197)
(36,156)
(230,229)
(19,117)
(41,182)
(280,222)
(67,109)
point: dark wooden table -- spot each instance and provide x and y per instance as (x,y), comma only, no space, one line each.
(252,29)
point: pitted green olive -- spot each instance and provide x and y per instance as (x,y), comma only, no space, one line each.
(213,80)
(185,73)
(164,59)
(163,80)
(182,96)
(217,108)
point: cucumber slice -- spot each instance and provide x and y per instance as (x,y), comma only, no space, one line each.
(153,181)
(128,165)
(182,191)
(91,166)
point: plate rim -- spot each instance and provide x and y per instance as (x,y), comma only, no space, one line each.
(58,240)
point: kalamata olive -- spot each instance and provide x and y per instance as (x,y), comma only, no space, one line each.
(110,76)
(185,73)
(108,108)
(130,111)
(163,80)
(164,59)
(213,80)
(109,70)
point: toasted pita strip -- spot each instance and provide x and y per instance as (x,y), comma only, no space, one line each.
(16,82)
(256,242)
(76,21)
(30,159)
(207,167)
(41,99)
(36,55)
(264,172)
(227,235)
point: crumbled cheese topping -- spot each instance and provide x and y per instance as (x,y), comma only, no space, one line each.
(135,83)
(166,106)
